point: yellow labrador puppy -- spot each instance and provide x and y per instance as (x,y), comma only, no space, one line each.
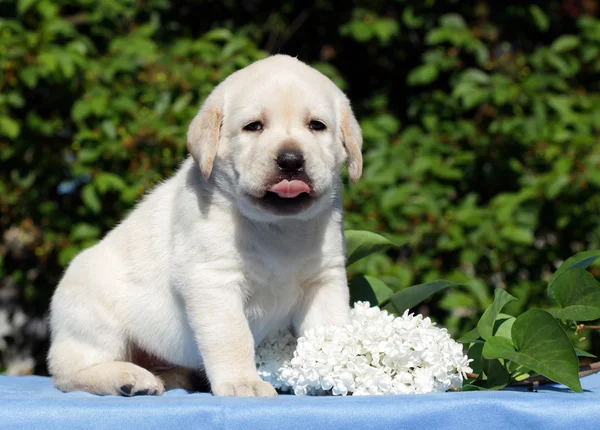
(245,239)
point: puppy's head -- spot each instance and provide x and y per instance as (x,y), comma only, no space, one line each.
(275,135)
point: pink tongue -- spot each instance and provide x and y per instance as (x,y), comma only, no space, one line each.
(289,190)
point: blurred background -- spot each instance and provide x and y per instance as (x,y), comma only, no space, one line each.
(481,122)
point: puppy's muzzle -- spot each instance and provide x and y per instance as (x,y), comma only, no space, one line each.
(289,190)
(292,180)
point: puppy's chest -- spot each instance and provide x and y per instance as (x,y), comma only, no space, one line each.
(276,271)
(272,298)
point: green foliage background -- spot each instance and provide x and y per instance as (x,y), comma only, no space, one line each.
(481,122)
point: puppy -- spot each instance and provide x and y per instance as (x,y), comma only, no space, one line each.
(244,240)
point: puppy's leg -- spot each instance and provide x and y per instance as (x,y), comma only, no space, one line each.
(112,377)
(77,365)
(326,301)
(89,350)
(225,342)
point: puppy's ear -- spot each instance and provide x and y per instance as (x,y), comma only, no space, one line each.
(352,140)
(203,137)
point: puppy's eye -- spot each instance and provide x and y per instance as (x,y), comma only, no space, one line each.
(254,126)
(316,125)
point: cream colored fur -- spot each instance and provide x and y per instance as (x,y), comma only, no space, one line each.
(198,274)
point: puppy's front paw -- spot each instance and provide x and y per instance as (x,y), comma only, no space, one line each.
(136,382)
(245,388)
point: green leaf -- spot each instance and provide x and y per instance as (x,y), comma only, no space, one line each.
(109,128)
(581,260)
(423,75)
(67,254)
(84,231)
(578,294)
(80,110)
(539,17)
(48,9)
(453,20)
(385,29)
(475,76)
(220,34)
(519,235)
(360,244)
(29,76)
(88,155)
(496,375)
(565,43)
(9,127)
(557,186)
(492,373)
(181,102)
(519,372)
(24,5)
(368,289)
(410,20)
(582,353)
(540,344)
(90,198)
(472,387)
(412,296)
(105,181)
(360,30)
(471,337)
(503,325)
(485,326)
(474,354)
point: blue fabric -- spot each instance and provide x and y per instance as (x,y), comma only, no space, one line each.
(32,403)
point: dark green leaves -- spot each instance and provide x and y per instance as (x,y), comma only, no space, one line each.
(360,244)
(535,340)
(412,296)
(84,231)
(540,344)
(24,5)
(369,289)
(485,326)
(9,127)
(582,353)
(578,294)
(565,43)
(423,75)
(90,198)
(539,17)
(471,337)
(581,260)
(368,26)
(492,373)
(576,291)
(503,325)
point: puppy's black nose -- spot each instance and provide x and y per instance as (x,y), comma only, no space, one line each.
(290,161)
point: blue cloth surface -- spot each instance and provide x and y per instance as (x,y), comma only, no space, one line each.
(32,403)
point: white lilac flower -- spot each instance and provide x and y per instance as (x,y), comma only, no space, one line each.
(374,354)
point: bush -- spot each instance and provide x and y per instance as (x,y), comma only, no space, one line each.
(489,175)
(480,123)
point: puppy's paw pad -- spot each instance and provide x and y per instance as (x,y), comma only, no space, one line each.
(139,383)
(130,390)
(126,389)
(245,388)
